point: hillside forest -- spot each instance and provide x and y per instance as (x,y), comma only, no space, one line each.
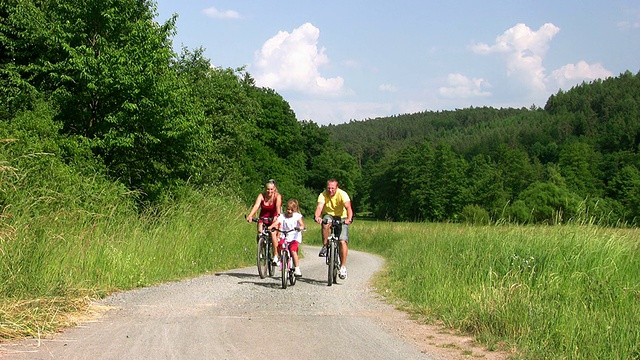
(95,105)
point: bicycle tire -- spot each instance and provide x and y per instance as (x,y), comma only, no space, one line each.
(284,260)
(336,264)
(330,261)
(292,275)
(262,257)
(271,266)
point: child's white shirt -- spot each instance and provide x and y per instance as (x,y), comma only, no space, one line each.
(289,223)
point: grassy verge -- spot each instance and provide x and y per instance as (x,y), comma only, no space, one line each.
(53,265)
(551,292)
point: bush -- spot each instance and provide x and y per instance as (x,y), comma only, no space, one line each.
(474,214)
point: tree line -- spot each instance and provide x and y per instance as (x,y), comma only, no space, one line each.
(96,86)
(576,159)
(92,93)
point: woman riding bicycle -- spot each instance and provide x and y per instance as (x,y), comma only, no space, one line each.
(290,220)
(270,205)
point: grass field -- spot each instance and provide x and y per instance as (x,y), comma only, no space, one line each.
(551,292)
(55,264)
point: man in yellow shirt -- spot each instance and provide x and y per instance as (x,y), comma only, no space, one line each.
(335,203)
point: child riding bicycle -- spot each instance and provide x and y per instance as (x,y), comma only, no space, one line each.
(291,219)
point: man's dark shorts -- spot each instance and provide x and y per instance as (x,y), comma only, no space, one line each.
(344,234)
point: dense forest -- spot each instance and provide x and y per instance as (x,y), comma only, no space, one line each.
(94,100)
(575,160)
(92,92)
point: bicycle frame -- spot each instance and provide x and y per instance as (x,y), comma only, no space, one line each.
(264,252)
(333,253)
(286,260)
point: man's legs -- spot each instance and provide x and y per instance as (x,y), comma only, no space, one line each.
(344,251)
(326,230)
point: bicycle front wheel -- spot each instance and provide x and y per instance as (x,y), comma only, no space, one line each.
(336,264)
(262,257)
(284,260)
(330,261)
(292,275)
(271,266)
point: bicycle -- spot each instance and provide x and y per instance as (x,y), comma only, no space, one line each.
(333,256)
(264,253)
(286,260)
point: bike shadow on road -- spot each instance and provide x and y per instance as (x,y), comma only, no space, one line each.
(260,282)
(266,283)
(241,275)
(312,281)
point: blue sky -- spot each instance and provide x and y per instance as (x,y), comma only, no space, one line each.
(336,61)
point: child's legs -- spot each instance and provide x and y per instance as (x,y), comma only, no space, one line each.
(294,253)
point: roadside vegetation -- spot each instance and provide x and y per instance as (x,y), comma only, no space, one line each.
(55,264)
(539,292)
(542,292)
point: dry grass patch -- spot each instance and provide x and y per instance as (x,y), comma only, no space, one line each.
(38,318)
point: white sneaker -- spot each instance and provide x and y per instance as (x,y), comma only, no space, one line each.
(342,273)
(276,261)
(297,272)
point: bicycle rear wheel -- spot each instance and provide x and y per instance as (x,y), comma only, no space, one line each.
(330,261)
(262,257)
(284,260)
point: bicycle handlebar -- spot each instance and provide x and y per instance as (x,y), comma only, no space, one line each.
(267,219)
(288,231)
(333,222)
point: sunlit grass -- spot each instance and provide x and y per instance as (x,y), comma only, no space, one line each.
(548,291)
(552,292)
(51,264)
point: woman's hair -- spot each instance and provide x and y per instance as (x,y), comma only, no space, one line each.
(293,203)
(271,182)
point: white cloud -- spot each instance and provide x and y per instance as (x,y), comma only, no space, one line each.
(524,50)
(627,25)
(460,86)
(291,61)
(218,14)
(572,74)
(387,88)
(633,19)
(330,112)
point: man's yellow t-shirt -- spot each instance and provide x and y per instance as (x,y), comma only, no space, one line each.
(334,205)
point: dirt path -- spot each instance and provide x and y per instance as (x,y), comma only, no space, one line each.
(237,315)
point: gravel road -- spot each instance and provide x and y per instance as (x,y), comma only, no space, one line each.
(237,315)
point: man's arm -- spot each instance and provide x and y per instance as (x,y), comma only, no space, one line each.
(318,212)
(349,220)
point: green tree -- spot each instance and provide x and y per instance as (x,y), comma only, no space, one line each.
(388,190)
(578,164)
(516,170)
(105,66)
(625,187)
(549,203)
(485,187)
(449,182)
(220,113)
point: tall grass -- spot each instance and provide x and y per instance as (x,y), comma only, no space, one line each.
(55,263)
(551,292)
